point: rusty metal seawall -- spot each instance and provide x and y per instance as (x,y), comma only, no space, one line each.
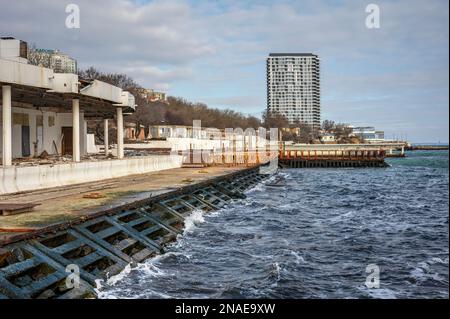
(35,265)
(334,158)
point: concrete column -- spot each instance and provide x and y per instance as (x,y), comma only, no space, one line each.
(76,130)
(234,149)
(257,148)
(119,133)
(106,136)
(7,128)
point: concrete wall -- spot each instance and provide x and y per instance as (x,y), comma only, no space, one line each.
(91,148)
(181,144)
(17,179)
(10,50)
(43,135)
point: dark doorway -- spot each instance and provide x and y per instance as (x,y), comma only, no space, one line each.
(67,140)
(25,141)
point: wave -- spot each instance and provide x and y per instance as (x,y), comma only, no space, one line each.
(275,273)
(285,243)
(380,293)
(191,222)
(424,270)
(298,259)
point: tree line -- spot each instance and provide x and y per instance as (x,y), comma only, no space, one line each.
(179,111)
(174,111)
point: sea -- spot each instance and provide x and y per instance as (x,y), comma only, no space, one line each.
(324,233)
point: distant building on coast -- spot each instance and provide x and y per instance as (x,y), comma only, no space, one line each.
(293,86)
(153,96)
(17,50)
(368,133)
(53,59)
(328,138)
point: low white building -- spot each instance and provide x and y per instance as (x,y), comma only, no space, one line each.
(176,131)
(328,138)
(54,59)
(368,134)
(47,111)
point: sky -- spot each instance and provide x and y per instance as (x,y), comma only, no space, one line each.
(394,78)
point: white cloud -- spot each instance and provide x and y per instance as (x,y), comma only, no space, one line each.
(112,33)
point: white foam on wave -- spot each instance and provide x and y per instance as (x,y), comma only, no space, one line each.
(437,260)
(277,273)
(194,219)
(424,271)
(256,188)
(379,293)
(149,269)
(216,213)
(168,254)
(146,269)
(298,259)
(284,173)
(157,293)
(343,216)
(261,186)
(111,281)
(382,293)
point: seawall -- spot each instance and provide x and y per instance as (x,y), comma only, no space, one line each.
(25,178)
(37,264)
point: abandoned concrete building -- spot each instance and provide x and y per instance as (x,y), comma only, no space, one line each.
(43,112)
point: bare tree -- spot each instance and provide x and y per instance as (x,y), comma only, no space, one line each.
(328,125)
(175,111)
(275,120)
(118,79)
(342,133)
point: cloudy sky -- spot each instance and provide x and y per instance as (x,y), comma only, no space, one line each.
(394,77)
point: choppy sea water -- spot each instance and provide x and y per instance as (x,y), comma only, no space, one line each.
(313,238)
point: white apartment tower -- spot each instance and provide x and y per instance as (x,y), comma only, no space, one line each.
(293,86)
(53,59)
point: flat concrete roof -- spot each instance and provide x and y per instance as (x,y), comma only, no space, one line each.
(41,87)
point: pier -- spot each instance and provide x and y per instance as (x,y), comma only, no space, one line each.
(335,156)
(428,148)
